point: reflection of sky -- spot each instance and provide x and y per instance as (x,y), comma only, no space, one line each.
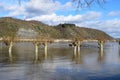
(105,73)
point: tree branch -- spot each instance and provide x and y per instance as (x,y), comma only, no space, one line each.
(88,3)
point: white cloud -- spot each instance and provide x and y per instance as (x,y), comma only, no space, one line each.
(111,27)
(11,10)
(114,13)
(3,7)
(92,15)
(55,19)
(67,6)
(16,11)
(1,4)
(34,8)
(40,7)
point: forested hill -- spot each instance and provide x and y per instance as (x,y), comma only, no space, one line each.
(21,28)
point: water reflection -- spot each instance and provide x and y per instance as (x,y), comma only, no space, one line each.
(77,59)
(60,64)
(101,55)
(68,52)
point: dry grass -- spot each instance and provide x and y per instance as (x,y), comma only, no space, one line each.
(10,26)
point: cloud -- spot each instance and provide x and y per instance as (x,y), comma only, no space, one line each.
(11,10)
(91,15)
(40,7)
(1,5)
(54,19)
(111,27)
(16,11)
(114,13)
(33,8)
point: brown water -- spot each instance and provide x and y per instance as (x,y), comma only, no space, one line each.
(60,64)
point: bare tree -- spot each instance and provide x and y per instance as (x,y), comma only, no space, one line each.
(88,3)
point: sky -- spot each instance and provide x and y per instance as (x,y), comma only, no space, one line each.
(53,12)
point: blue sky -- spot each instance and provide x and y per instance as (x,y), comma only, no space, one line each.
(53,12)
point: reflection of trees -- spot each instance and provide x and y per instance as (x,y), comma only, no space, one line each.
(5,56)
(101,56)
(119,48)
(78,59)
(40,58)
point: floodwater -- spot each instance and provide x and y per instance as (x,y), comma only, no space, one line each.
(60,63)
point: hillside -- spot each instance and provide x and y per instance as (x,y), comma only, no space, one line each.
(15,27)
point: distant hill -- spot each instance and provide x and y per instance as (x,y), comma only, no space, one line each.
(15,27)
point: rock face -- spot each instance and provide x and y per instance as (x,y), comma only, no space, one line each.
(14,27)
(72,31)
(27,33)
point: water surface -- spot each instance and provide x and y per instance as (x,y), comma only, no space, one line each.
(60,64)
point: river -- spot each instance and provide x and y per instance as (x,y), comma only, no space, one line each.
(60,63)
